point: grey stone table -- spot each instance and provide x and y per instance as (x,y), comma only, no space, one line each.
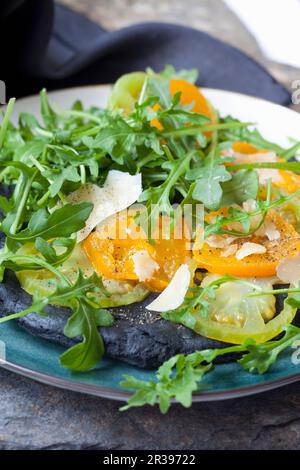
(36,416)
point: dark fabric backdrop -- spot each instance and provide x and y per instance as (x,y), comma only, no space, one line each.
(45,44)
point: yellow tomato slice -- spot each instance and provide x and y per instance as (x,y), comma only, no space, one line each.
(245,148)
(112,256)
(254,265)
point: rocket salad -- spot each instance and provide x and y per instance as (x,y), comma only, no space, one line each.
(93,205)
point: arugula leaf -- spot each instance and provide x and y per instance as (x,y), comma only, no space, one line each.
(20,195)
(160,88)
(28,122)
(197,302)
(119,139)
(180,376)
(48,249)
(158,197)
(5,204)
(5,121)
(62,222)
(254,137)
(242,186)
(181,115)
(58,178)
(48,115)
(262,355)
(290,166)
(84,321)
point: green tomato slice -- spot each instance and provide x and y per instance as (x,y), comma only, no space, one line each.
(43,283)
(233,316)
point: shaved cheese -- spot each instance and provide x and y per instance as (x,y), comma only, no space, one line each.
(265,174)
(120,191)
(271,232)
(288,270)
(144,266)
(231,250)
(248,249)
(250,206)
(268,230)
(174,294)
(87,193)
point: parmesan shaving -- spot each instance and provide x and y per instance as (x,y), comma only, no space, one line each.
(120,191)
(144,266)
(268,230)
(231,250)
(248,249)
(219,241)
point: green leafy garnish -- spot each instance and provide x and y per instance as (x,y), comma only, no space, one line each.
(62,222)
(208,178)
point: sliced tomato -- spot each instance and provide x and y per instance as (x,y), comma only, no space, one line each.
(126,91)
(234,315)
(254,327)
(256,265)
(112,256)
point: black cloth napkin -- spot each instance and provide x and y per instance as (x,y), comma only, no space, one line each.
(44,44)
